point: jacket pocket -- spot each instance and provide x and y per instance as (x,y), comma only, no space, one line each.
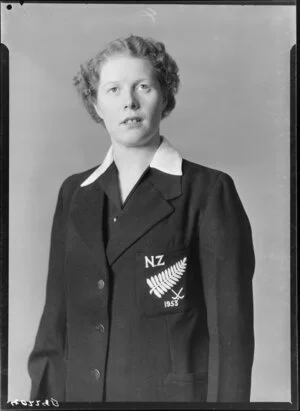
(186,377)
(185,387)
(163,282)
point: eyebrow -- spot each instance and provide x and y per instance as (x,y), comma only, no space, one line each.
(136,82)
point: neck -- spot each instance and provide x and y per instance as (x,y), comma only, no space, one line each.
(134,160)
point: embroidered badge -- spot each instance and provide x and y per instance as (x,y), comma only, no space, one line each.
(154,260)
(164,281)
(175,300)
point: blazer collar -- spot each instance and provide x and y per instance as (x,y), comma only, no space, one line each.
(166,159)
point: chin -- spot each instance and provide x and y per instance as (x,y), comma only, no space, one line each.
(135,138)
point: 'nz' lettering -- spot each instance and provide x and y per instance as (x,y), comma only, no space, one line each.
(154,260)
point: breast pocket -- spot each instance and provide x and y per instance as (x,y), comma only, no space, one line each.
(164,282)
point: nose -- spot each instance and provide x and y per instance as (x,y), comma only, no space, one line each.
(130,100)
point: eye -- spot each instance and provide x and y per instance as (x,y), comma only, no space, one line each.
(113,90)
(144,87)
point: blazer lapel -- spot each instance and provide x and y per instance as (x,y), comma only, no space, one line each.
(147,207)
(87,216)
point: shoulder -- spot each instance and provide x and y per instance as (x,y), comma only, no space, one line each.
(215,190)
(73,182)
(206,178)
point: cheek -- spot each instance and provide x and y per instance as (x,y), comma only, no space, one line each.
(107,113)
(105,107)
(156,109)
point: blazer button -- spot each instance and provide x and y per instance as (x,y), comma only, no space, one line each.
(100,327)
(101,284)
(96,373)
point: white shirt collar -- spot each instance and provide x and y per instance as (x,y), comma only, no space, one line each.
(166,159)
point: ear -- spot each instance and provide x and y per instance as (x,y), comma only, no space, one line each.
(165,102)
(98,110)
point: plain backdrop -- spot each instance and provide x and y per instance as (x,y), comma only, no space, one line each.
(232,113)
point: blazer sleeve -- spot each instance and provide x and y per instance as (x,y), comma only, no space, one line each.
(46,363)
(227,264)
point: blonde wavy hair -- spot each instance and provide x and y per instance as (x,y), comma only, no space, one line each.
(87,79)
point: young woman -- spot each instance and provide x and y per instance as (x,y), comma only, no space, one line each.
(149,291)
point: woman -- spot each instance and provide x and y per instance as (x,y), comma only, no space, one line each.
(149,290)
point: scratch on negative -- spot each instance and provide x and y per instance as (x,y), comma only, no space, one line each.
(149,13)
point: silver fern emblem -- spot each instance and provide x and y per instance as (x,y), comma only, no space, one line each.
(161,283)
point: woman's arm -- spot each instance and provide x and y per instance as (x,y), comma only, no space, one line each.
(227,263)
(46,363)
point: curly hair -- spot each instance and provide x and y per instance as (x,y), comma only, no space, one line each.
(87,79)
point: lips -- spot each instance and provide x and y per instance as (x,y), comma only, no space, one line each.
(132,120)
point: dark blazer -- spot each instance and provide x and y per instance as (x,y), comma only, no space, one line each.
(163,313)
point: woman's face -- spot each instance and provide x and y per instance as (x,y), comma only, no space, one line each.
(130,100)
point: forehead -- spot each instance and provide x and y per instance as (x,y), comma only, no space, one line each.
(125,68)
